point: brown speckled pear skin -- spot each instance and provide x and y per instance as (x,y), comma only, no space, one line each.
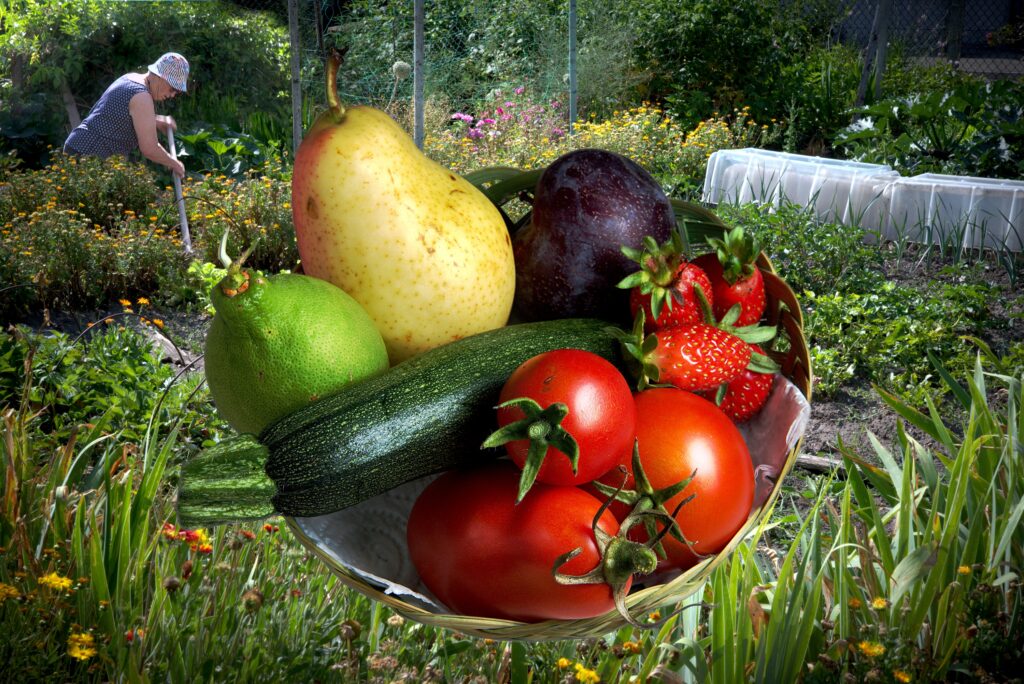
(420,248)
(588,204)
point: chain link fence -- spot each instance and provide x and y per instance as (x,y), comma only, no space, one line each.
(979,37)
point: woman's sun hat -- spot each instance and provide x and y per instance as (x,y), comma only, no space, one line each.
(173,68)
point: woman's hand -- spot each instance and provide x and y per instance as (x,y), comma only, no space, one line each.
(177,168)
(165,123)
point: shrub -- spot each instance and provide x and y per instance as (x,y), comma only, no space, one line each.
(110,374)
(972,129)
(82,233)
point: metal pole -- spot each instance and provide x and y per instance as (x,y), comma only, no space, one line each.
(572,65)
(417,72)
(186,237)
(296,68)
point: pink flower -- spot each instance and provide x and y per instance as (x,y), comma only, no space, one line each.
(488,121)
(475,133)
(462,117)
(499,111)
(520,90)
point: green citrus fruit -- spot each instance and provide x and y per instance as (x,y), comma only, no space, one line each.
(280,342)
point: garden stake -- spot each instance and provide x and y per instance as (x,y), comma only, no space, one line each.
(185,237)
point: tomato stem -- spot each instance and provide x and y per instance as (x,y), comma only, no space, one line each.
(542,427)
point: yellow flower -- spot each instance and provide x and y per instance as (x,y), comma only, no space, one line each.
(563,663)
(901,676)
(964,570)
(124,302)
(8,592)
(586,676)
(158,322)
(631,647)
(872,649)
(81,646)
(142,300)
(55,581)
(854,603)
(879,603)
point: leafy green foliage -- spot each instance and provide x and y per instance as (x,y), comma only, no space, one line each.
(885,336)
(707,56)
(972,129)
(112,371)
(860,325)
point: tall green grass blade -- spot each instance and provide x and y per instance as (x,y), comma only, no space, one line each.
(962,395)
(915,565)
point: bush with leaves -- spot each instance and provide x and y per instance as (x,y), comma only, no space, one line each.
(110,373)
(974,129)
(83,233)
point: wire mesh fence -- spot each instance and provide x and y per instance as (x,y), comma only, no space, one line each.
(980,37)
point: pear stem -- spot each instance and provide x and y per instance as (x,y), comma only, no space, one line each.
(333,64)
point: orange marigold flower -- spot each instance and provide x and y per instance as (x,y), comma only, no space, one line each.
(81,646)
(872,649)
(55,581)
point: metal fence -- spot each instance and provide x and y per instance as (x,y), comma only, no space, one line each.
(976,36)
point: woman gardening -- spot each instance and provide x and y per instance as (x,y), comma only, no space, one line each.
(124,118)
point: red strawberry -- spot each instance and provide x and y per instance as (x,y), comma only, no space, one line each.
(664,287)
(735,278)
(746,394)
(691,356)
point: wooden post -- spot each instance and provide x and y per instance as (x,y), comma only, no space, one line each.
(417,72)
(296,68)
(875,52)
(955,29)
(882,47)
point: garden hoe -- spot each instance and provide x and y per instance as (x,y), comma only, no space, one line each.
(179,196)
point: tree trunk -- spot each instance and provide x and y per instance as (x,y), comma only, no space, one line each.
(74,118)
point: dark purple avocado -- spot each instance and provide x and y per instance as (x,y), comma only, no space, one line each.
(587,205)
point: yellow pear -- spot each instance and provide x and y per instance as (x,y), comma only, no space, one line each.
(424,252)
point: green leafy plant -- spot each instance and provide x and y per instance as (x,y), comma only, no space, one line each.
(972,129)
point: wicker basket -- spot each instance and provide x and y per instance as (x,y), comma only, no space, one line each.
(783,310)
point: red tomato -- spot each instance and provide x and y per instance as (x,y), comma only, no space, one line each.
(601,415)
(482,554)
(679,432)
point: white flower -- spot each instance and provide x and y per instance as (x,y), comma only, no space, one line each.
(1004,149)
(865,124)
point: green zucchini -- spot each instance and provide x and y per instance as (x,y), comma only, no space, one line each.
(425,415)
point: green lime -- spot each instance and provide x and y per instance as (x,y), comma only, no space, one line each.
(280,342)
